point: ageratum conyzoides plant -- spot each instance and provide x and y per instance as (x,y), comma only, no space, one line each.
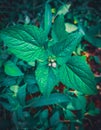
(48,53)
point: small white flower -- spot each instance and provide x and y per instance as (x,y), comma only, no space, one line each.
(54,64)
(49,64)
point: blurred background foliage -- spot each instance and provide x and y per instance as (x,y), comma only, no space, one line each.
(31,11)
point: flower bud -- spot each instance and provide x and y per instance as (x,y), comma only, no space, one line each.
(49,64)
(52,60)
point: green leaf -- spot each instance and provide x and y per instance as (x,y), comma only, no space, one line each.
(33,88)
(14,118)
(7,106)
(93,35)
(91,106)
(92,110)
(30,79)
(72,126)
(54,119)
(61,126)
(58,31)
(48,18)
(78,76)
(70,27)
(8,81)
(54,98)
(14,88)
(82,101)
(44,115)
(11,69)
(64,9)
(12,103)
(47,78)
(64,49)
(69,115)
(98,79)
(77,103)
(21,95)
(19,113)
(25,41)
(97,59)
(1,62)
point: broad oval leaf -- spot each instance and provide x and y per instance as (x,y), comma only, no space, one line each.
(64,49)
(11,69)
(53,98)
(47,78)
(26,42)
(78,76)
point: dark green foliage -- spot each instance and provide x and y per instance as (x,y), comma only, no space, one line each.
(27,40)
(93,35)
(44,80)
(44,100)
